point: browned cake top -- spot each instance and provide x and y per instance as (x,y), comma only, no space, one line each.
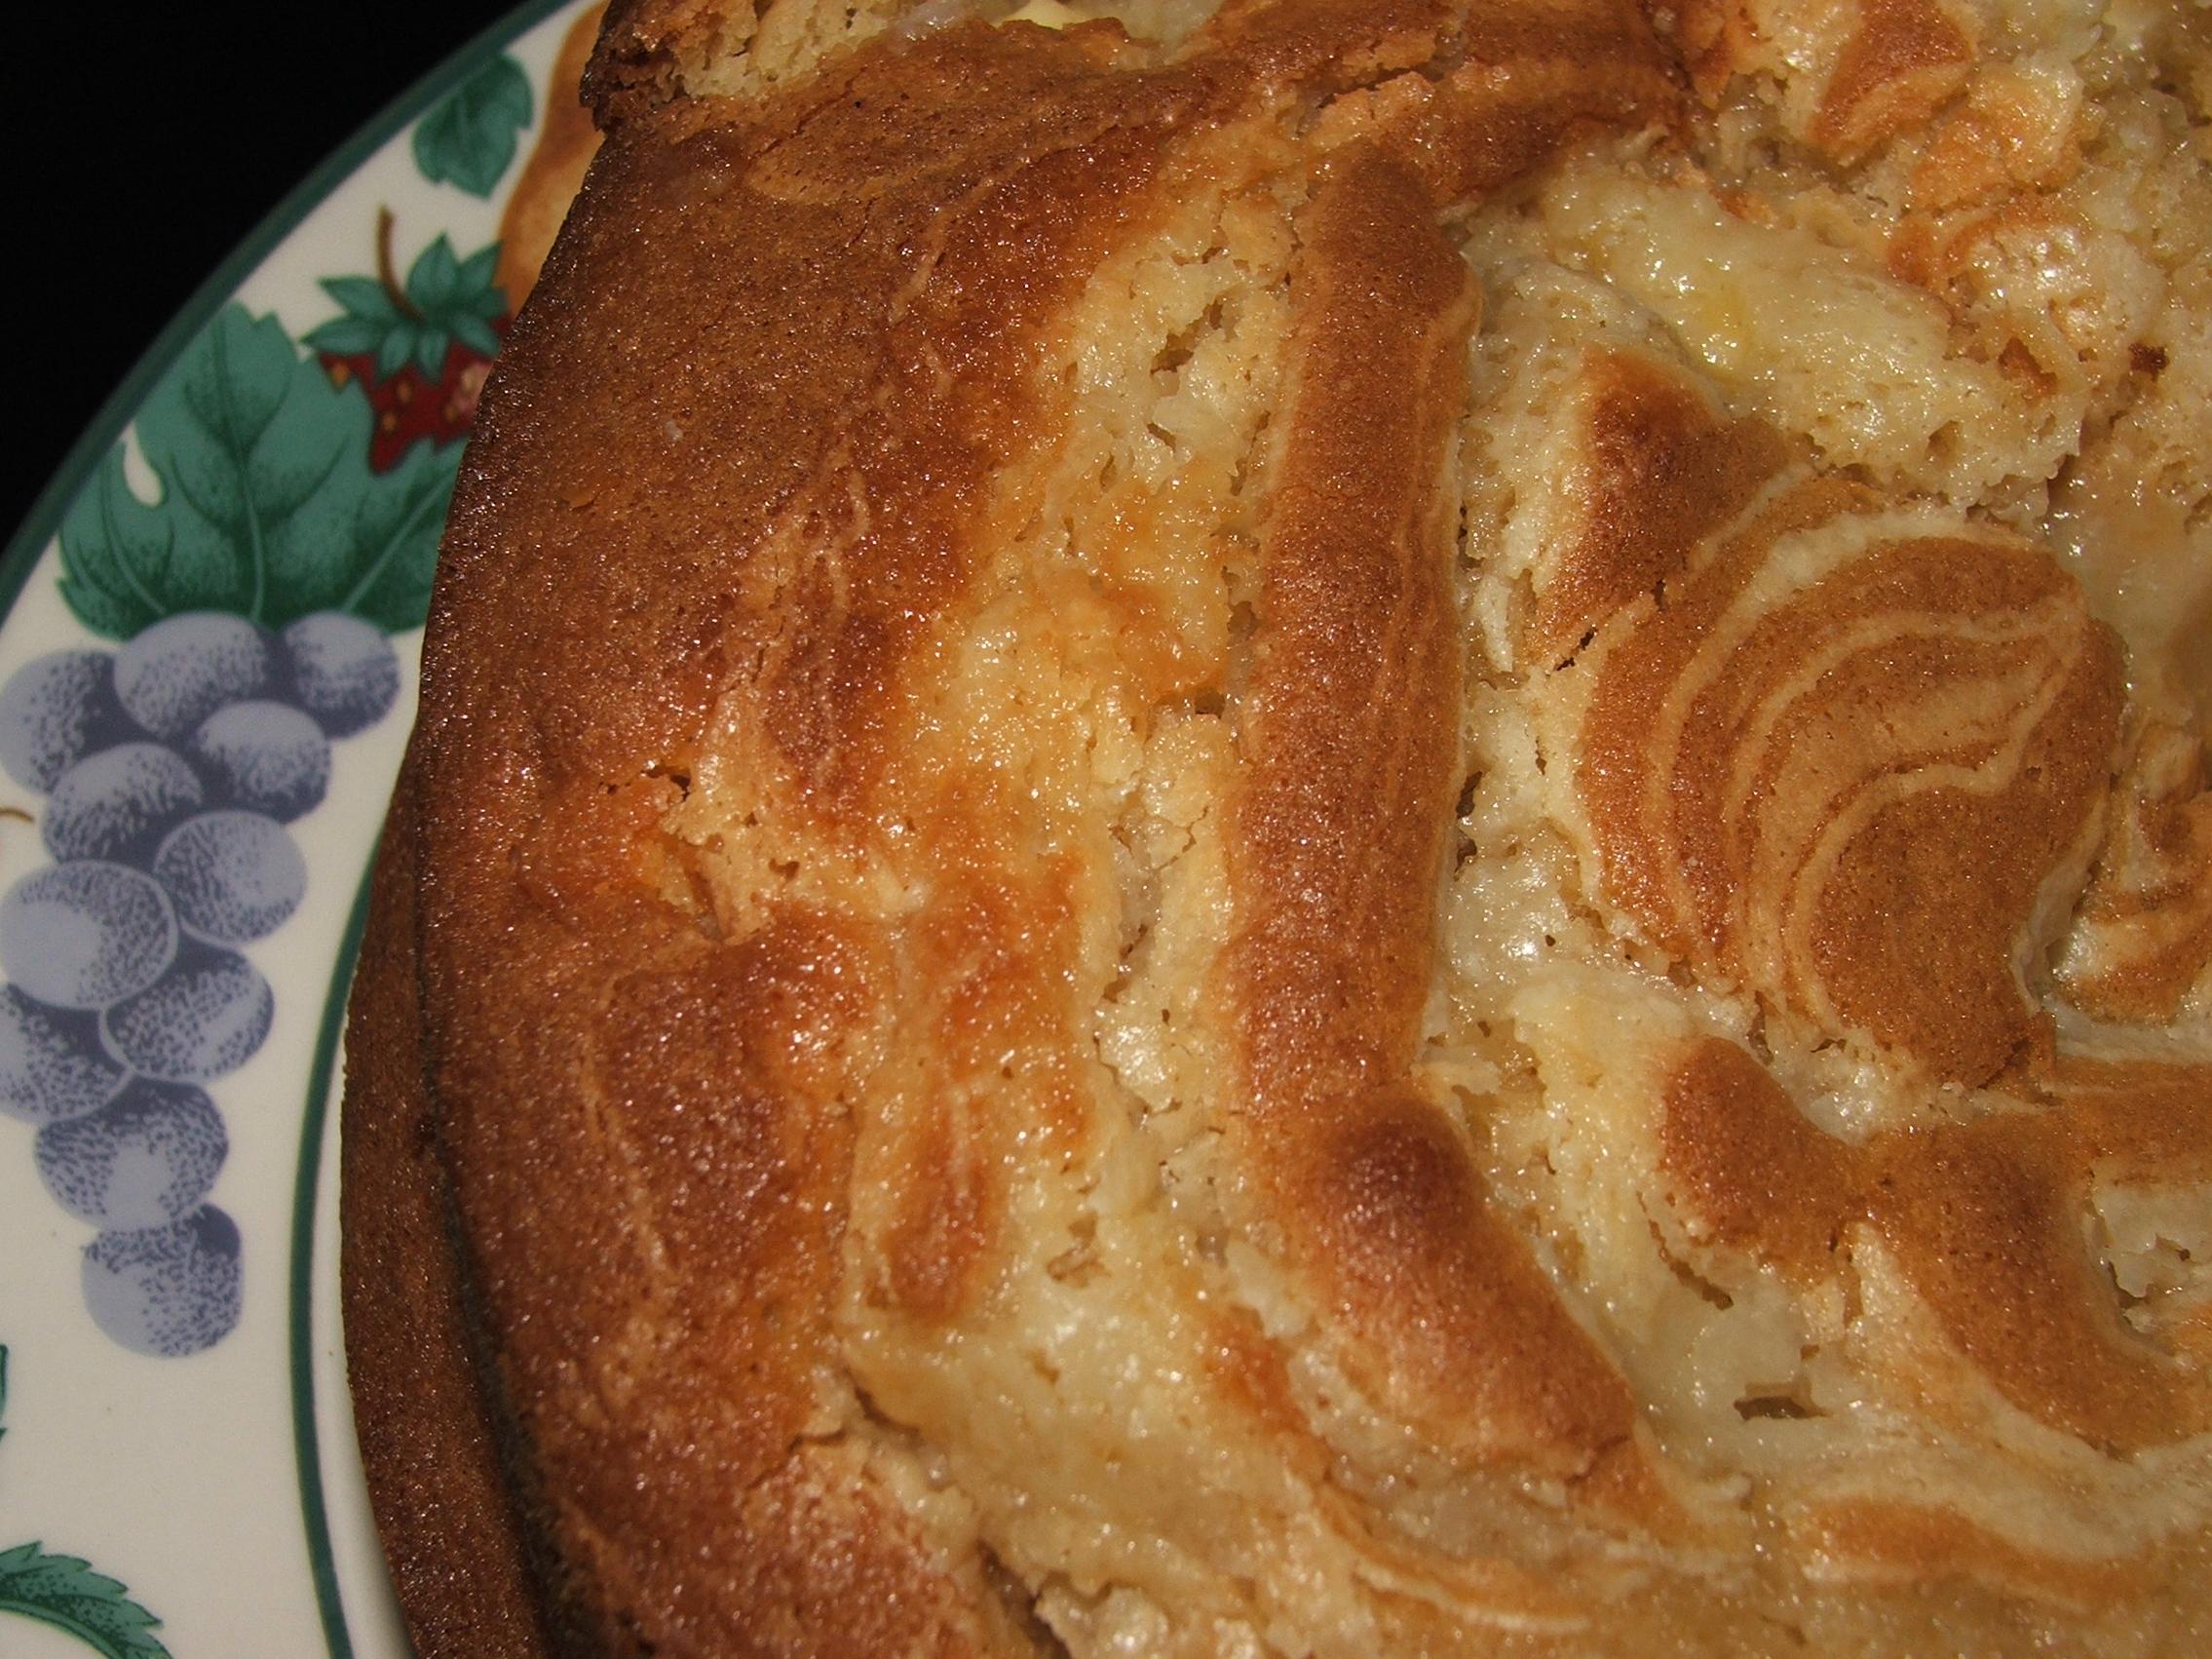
(1317,829)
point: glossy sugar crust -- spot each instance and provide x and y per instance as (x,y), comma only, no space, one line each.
(1331,829)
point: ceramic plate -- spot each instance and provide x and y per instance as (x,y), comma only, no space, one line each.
(206,671)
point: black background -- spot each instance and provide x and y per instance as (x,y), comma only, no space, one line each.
(142,145)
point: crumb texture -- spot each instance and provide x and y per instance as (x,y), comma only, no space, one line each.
(1319,827)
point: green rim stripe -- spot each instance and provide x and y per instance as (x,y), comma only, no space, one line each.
(323,1565)
(45,516)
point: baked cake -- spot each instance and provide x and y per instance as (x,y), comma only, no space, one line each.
(1319,828)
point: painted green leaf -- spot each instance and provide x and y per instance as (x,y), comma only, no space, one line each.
(434,277)
(363,297)
(389,547)
(470,138)
(61,1590)
(267,505)
(442,285)
(398,346)
(472,280)
(477,334)
(445,297)
(343,336)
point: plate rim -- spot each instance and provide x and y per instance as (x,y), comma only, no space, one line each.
(20,558)
(43,520)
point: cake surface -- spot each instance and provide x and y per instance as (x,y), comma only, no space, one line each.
(1319,828)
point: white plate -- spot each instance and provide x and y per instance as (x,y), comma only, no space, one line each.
(178,1446)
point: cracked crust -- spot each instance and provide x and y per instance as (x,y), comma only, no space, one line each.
(1199,864)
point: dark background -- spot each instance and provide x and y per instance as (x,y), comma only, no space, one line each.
(137,160)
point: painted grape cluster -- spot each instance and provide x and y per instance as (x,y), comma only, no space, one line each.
(248,564)
(170,768)
(238,577)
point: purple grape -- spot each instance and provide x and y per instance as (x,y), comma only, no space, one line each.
(175,674)
(84,935)
(232,876)
(54,710)
(205,1017)
(52,1064)
(118,804)
(166,1291)
(145,1159)
(343,669)
(266,756)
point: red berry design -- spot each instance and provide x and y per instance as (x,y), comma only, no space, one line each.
(420,349)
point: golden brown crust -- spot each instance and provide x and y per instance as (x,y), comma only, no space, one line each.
(1902,61)
(629,1019)
(1849,788)
(986,1105)
(1658,472)
(644,46)
(1981,1214)
(426,1431)
(2145,936)
(1337,848)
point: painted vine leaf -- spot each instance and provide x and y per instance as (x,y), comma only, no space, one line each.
(61,1590)
(64,1593)
(469,140)
(267,506)
(446,298)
